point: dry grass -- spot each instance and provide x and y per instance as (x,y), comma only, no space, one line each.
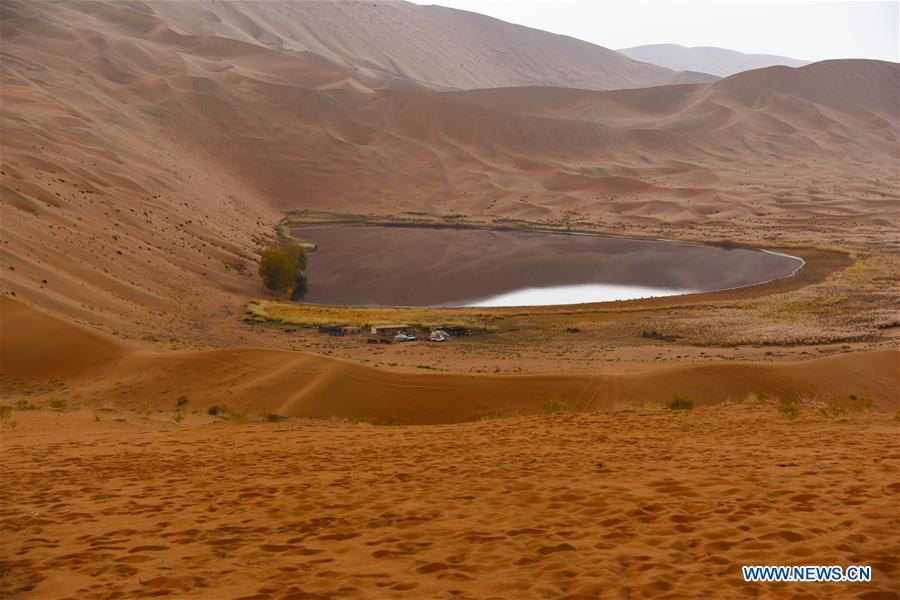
(851,304)
(311,315)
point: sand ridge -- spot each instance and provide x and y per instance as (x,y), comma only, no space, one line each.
(99,369)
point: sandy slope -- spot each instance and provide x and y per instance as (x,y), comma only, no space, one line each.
(632,504)
(401,44)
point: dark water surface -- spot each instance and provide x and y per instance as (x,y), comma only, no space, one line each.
(366,265)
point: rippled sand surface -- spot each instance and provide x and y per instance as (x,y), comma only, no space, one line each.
(644,502)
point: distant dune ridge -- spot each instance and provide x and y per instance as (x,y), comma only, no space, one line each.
(706,59)
(146,146)
(400,44)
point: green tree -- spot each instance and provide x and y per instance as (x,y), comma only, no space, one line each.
(277,270)
(300,287)
(282,267)
(296,254)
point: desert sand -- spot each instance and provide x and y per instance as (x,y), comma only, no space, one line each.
(627,504)
(151,149)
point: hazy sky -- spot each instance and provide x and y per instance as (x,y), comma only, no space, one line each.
(804,30)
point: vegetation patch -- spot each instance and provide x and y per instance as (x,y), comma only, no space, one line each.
(314,315)
(556,405)
(790,409)
(282,268)
(680,403)
(838,409)
(851,304)
(57,404)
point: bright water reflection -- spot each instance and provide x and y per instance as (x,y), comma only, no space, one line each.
(573,294)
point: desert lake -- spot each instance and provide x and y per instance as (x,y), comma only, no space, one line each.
(380,265)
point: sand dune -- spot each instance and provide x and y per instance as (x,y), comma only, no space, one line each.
(102,369)
(705,59)
(400,44)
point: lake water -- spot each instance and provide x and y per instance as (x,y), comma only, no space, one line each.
(367,265)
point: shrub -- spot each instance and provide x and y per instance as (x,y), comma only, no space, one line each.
(182,400)
(5,411)
(58,404)
(790,409)
(839,409)
(834,410)
(273,417)
(25,405)
(555,406)
(179,417)
(680,403)
(756,397)
(216,410)
(859,403)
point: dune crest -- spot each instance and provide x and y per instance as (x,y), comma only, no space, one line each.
(299,384)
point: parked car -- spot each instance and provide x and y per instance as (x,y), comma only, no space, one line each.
(439,336)
(402,337)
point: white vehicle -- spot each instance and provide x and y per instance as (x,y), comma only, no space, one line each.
(439,336)
(402,337)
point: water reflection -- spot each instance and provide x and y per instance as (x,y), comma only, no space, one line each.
(572,294)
